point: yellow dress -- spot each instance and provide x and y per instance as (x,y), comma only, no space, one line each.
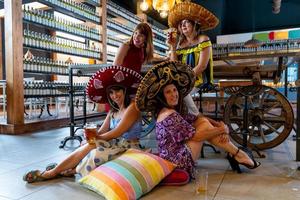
(190,56)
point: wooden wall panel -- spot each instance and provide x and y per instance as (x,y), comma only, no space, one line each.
(14,61)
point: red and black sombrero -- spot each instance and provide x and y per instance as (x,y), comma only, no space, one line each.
(107,77)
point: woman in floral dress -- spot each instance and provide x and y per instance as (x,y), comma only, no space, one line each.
(180,135)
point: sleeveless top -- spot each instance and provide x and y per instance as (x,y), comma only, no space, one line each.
(134,58)
(190,56)
(133,133)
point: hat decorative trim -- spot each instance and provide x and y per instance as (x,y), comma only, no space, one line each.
(107,77)
(192,11)
(177,73)
(119,76)
(98,84)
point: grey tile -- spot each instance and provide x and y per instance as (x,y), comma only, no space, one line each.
(36,154)
(35,151)
(174,193)
(8,166)
(63,189)
(4,198)
(282,169)
(249,187)
(12,186)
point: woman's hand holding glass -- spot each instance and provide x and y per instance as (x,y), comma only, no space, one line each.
(172,39)
(90,132)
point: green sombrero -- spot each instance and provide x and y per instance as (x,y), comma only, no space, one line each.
(160,75)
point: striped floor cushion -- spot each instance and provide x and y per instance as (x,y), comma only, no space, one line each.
(131,175)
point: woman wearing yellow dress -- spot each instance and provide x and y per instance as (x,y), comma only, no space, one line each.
(193,47)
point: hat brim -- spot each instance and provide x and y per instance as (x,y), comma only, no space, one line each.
(159,76)
(192,11)
(107,77)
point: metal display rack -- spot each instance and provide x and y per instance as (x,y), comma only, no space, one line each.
(79,70)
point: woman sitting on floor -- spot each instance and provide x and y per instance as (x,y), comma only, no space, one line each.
(180,135)
(112,85)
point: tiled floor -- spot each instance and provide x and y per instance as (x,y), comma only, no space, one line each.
(276,179)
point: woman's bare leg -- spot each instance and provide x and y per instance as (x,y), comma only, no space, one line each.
(228,146)
(70,162)
(195,148)
(206,131)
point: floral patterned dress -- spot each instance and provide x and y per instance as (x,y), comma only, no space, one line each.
(171,136)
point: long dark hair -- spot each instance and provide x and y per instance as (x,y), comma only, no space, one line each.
(113,106)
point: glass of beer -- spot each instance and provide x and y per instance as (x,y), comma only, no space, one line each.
(90,132)
(201,180)
(172,32)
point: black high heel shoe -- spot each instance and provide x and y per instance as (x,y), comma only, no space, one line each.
(233,163)
(249,153)
(236,163)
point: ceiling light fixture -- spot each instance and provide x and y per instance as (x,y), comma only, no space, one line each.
(144,6)
(162,6)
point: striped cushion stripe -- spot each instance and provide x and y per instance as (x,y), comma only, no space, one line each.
(134,171)
(151,165)
(123,183)
(140,167)
(164,164)
(110,186)
(127,175)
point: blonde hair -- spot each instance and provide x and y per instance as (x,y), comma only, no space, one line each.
(145,29)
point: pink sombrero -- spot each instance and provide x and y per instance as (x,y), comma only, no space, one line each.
(107,77)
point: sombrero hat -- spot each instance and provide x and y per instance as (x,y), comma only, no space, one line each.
(192,11)
(107,77)
(157,77)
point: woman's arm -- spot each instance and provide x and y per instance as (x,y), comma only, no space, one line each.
(173,55)
(213,122)
(105,126)
(218,124)
(122,52)
(131,115)
(205,130)
(203,58)
(172,46)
